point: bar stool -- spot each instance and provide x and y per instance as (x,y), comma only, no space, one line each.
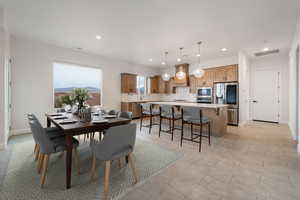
(167,112)
(148,111)
(193,116)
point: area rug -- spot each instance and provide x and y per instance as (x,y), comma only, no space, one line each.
(23,182)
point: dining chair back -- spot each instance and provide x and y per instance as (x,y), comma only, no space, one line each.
(127,115)
(46,146)
(118,142)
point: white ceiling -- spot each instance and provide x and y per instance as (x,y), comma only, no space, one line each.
(136,30)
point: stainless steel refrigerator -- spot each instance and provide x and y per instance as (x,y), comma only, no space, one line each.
(227,93)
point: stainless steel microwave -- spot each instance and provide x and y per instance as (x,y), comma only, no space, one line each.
(204,92)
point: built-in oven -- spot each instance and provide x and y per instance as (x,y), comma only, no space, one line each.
(205,95)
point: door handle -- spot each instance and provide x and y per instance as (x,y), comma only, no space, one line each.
(254,101)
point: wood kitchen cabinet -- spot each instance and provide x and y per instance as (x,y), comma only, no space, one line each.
(207,80)
(170,89)
(158,85)
(232,73)
(226,74)
(154,85)
(128,83)
(133,107)
(193,84)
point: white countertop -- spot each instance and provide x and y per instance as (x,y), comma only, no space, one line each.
(189,104)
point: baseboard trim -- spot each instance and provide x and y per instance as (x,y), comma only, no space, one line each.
(19,132)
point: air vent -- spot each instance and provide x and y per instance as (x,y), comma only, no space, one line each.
(265,53)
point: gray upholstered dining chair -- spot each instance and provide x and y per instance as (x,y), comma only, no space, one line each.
(118,142)
(194,117)
(112,112)
(61,110)
(127,115)
(52,132)
(49,146)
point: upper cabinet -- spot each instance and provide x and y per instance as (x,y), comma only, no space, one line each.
(184,81)
(232,73)
(226,74)
(170,86)
(207,80)
(158,85)
(128,83)
(219,74)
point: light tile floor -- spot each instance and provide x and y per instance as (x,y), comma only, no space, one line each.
(255,162)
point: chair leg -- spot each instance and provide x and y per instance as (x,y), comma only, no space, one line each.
(172,131)
(106,179)
(200,141)
(150,126)
(35,148)
(133,168)
(170,125)
(37,153)
(182,125)
(93,172)
(141,122)
(160,120)
(76,160)
(192,134)
(209,132)
(120,163)
(45,168)
(40,162)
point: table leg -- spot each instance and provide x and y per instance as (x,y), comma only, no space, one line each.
(69,160)
(127,159)
(48,122)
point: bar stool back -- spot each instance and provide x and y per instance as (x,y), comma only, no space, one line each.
(148,111)
(194,117)
(167,112)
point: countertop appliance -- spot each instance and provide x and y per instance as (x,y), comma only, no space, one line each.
(205,95)
(227,93)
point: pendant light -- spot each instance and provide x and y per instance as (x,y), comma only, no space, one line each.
(165,76)
(198,72)
(180,74)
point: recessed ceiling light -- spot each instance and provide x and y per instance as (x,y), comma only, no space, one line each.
(223,49)
(178,59)
(266,49)
(163,63)
(150,59)
(98,37)
(198,55)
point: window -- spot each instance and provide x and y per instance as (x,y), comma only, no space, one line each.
(67,77)
(141,85)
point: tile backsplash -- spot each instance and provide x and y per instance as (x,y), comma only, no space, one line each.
(182,93)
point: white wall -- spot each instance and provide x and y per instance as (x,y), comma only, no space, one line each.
(4,58)
(277,62)
(32,87)
(293,84)
(244,88)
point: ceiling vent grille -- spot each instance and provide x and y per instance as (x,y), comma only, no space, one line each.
(265,53)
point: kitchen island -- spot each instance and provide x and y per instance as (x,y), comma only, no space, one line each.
(217,113)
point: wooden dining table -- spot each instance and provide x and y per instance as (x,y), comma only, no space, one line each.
(78,128)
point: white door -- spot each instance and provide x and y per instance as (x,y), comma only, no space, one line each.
(265,99)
